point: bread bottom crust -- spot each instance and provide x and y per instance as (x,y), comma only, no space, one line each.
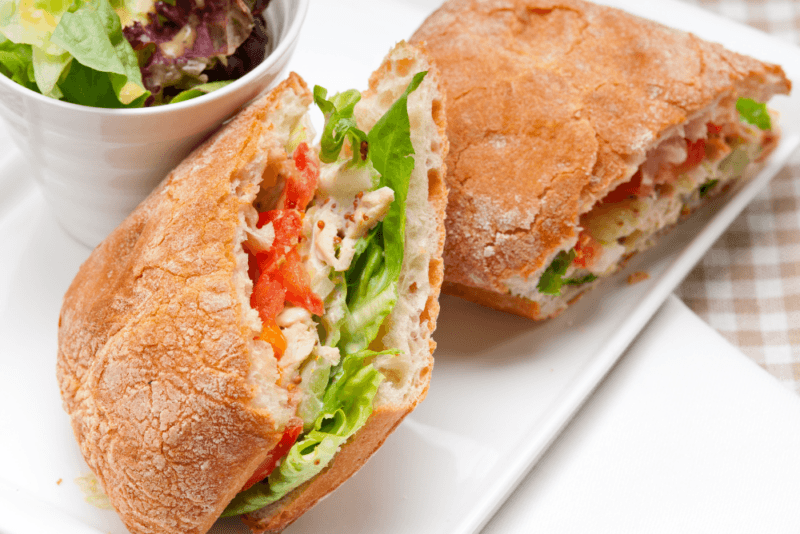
(354,454)
(499,301)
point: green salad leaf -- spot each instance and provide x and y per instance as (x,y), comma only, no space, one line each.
(553,277)
(340,124)
(92,34)
(754,112)
(373,274)
(199,90)
(71,43)
(346,406)
(16,62)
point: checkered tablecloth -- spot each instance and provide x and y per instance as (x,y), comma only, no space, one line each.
(748,285)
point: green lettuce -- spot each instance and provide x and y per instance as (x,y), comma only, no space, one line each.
(754,112)
(346,406)
(373,274)
(16,62)
(199,90)
(92,33)
(73,42)
(553,277)
(340,124)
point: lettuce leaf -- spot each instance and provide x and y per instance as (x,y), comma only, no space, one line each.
(48,70)
(340,124)
(32,22)
(553,277)
(373,274)
(754,112)
(199,90)
(346,406)
(92,34)
(16,62)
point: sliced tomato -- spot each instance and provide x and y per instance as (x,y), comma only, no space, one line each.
(288,439)
(695,154)
(587,251)
(713,129)
(300,186)
(268,297)
(632,188)
(293,276)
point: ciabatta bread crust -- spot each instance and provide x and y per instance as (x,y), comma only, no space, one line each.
(155,341)
(551,106)
(425,237)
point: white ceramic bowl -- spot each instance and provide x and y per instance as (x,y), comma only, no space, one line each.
(95,165)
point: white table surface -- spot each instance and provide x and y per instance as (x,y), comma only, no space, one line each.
(685,435)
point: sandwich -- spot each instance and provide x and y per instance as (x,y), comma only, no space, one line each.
(250,335)
(579,134)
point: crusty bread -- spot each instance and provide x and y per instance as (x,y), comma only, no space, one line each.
(411,323)
(551,106)
(172,401)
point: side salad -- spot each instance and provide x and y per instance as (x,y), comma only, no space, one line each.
(129,53)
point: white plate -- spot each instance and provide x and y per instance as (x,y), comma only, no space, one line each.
(502,388)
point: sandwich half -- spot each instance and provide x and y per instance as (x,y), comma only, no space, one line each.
(260,324)
(579,133)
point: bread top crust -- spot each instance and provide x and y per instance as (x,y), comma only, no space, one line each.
(551,104)
(155,346)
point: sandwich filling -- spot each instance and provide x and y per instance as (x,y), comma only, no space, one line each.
(325,255)
(695,161)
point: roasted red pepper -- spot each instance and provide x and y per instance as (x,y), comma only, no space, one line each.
(290,435)
(300,186)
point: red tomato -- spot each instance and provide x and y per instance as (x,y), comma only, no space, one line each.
(293,276)
(267,298)
(586,251)
(288,225)
(631,188)
(695,154)
(713,128)
(300,186)
(290,435)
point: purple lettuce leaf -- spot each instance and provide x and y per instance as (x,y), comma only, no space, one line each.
(181,40)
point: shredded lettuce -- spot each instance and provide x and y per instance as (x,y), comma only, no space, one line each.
(553,277)
(346,406)
(754,112)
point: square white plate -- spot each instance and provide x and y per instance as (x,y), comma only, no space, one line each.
(503,387)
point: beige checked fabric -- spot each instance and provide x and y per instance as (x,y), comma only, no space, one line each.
(747,286)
